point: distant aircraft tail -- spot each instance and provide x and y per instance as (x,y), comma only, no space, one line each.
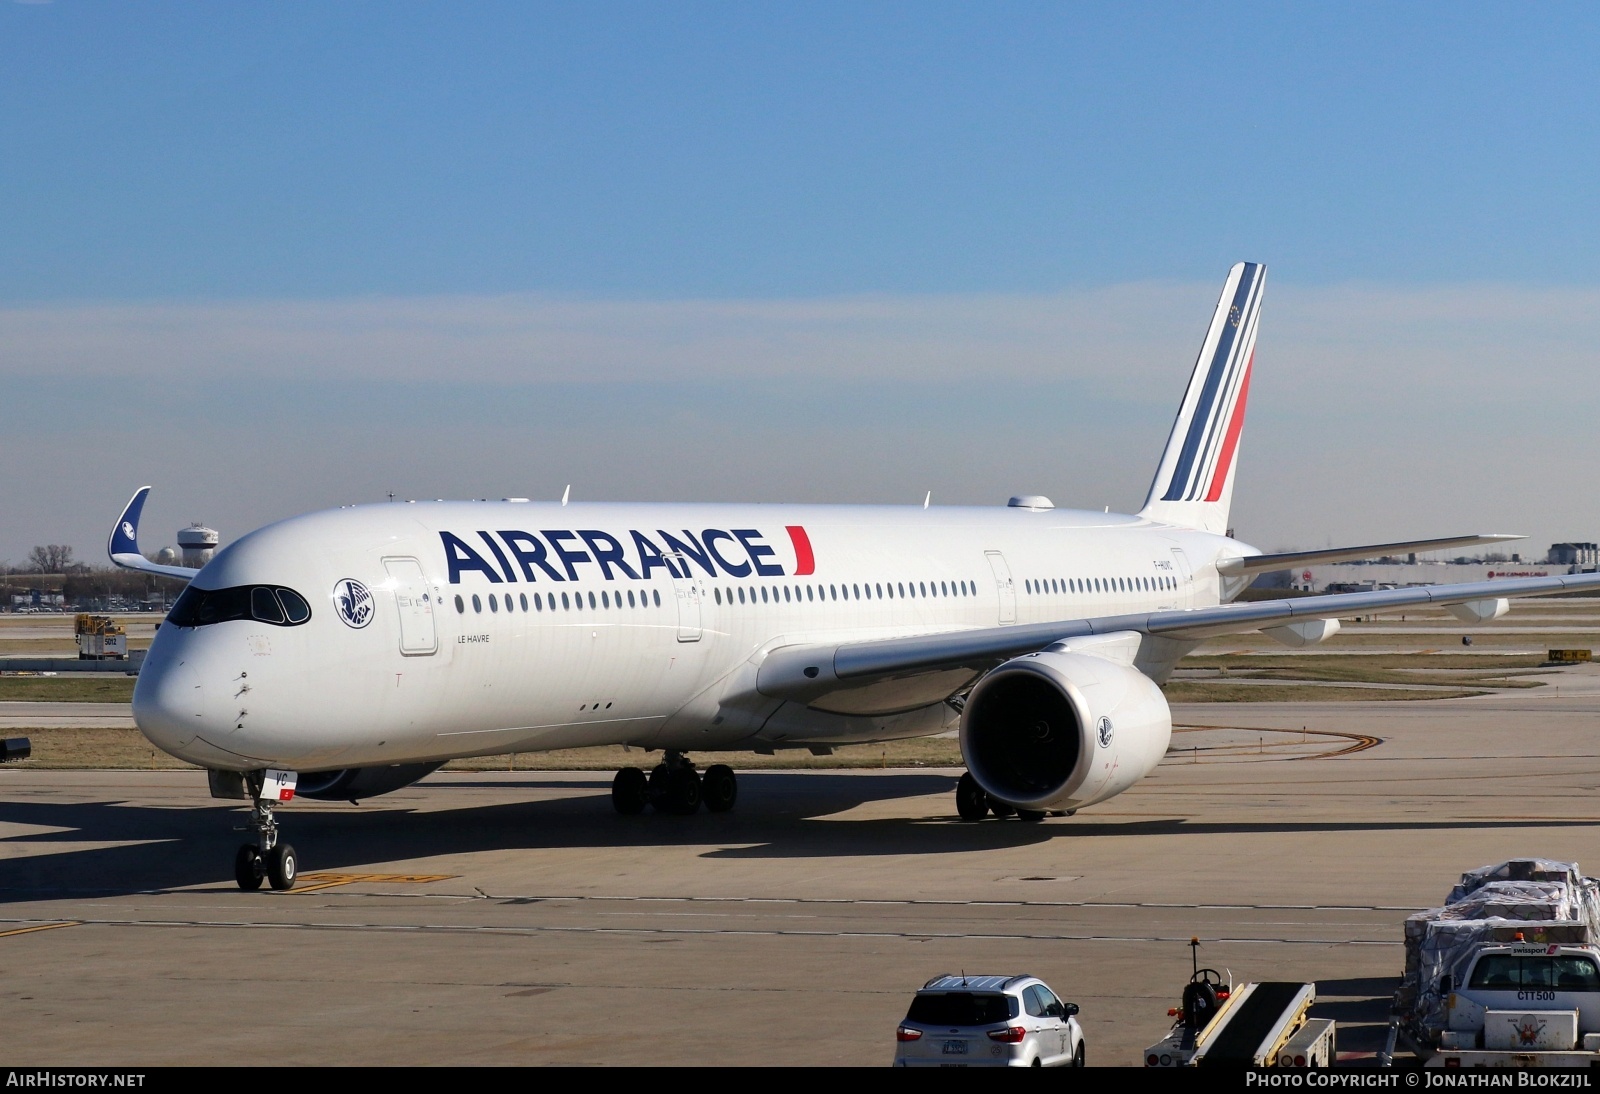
(1193,486)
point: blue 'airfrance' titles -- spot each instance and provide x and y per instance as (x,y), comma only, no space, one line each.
(557,554)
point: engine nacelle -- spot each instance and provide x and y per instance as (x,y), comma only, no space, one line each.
(1059,730)
(354,783)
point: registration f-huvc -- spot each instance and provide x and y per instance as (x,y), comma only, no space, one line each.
(350,652)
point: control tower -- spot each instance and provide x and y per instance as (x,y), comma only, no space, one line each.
(198,543)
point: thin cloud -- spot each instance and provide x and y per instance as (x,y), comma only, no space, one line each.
(1119,339)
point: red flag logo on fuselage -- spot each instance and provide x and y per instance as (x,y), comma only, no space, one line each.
(804,561)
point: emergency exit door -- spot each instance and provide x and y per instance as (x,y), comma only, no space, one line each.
(686,590)
(414,600)
(1004,587)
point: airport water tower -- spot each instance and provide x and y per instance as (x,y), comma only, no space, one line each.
(198,543)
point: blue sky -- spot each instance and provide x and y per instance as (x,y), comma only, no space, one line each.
(202,174)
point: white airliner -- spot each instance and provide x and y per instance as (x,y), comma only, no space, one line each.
(350,652)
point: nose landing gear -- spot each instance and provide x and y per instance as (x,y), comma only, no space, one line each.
(674,786)
(266,859)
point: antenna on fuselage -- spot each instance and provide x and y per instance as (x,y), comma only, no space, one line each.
(927,499)
(565,494)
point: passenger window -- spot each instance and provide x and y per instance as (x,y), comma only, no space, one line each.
(763,594)
(477,605)
(494,603)
(809,596)
(592,604)
(786,594)
(1031,1001)
(833,592)
(741,594)
(461,607)
(565,603)
(657,594)
(880,592)
(857,589)
(264,606)
(716,594)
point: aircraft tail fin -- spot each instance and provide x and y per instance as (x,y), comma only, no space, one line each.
(1193,486)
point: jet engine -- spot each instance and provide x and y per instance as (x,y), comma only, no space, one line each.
(1059,730)
(354,783)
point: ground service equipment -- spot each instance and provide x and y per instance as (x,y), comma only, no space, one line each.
(1506,973)
(101,638)
(1252,1025)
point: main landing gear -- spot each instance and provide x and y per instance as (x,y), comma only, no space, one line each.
(266,859)
(674,786)
(973,803)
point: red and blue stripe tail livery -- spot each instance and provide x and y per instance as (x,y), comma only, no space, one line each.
(1193,486)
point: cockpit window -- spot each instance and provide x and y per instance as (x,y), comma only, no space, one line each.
(295,607)
(262,603)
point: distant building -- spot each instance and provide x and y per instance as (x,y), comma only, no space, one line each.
(1584,556)
(1355,577)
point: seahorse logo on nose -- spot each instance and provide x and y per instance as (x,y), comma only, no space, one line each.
(354,602)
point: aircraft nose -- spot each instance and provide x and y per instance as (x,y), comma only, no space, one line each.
(169,703)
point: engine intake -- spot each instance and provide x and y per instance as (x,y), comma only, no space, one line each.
(1059,730)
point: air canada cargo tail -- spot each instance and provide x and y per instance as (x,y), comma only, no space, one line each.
(346,653)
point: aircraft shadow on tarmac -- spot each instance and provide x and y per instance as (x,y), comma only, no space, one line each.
(780,815)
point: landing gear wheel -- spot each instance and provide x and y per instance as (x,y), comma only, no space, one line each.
(247,870)
(719,788)
(630,792)
(1032,816)
(972,804)
(676,791)
(1002,809)
(282,866)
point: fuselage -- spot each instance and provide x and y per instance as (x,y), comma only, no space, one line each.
(448,629)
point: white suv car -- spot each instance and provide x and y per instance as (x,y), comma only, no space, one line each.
(989,1021)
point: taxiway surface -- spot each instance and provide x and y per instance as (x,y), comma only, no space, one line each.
(513,918)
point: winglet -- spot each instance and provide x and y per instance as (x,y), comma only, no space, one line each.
(123,543)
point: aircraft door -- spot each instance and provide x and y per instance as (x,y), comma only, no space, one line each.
(1004,586)
(686,591)
(1185,574)
(414,600)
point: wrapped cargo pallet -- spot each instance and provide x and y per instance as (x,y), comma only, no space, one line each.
(1524,900)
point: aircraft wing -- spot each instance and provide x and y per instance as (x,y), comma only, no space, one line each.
(1254,564)
(808,672)
(123,544)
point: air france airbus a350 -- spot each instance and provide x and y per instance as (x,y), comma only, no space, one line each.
(351,652)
